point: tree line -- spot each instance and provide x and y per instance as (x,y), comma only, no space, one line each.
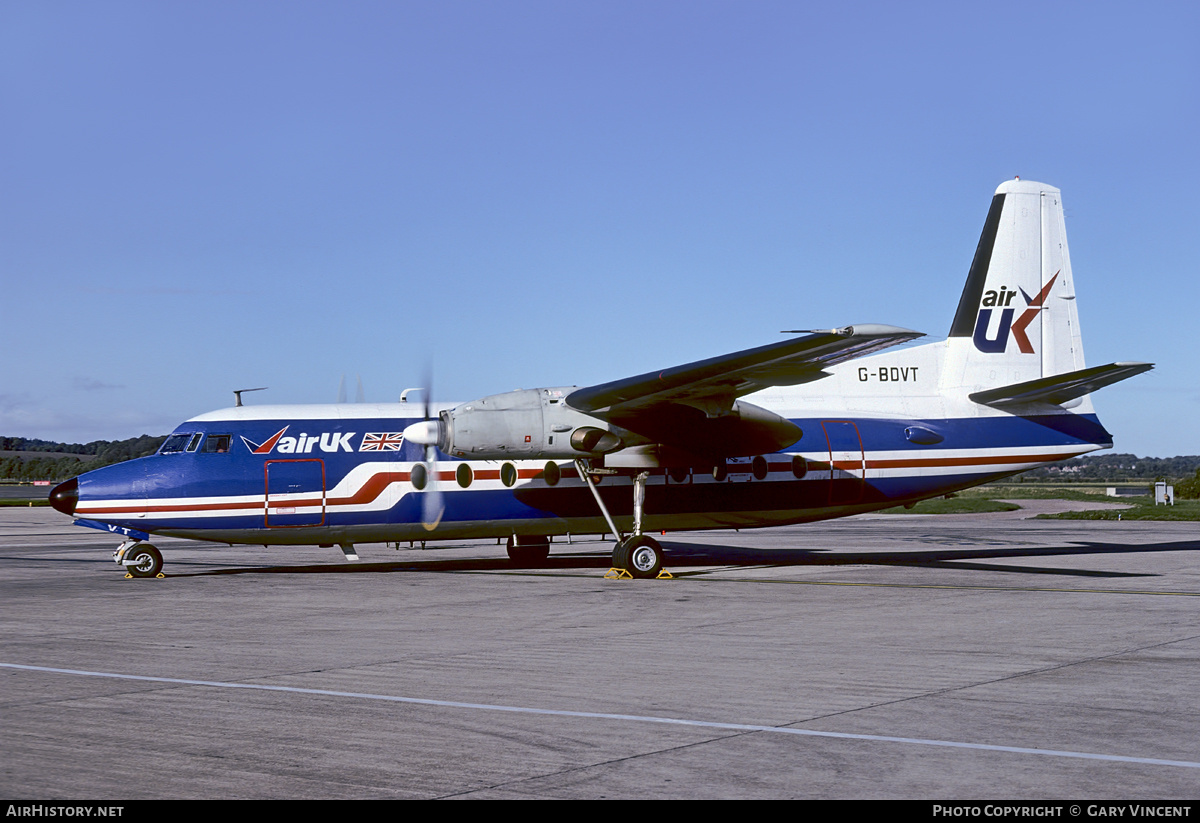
(1118,468)
(56,467)
(1189,489)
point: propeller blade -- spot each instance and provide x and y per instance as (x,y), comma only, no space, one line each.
(427,393)
(432,507)
(426,433)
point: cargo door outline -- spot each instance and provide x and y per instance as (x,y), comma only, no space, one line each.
(293,489)
(847,462)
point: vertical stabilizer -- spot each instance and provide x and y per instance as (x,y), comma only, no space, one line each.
(1017,319)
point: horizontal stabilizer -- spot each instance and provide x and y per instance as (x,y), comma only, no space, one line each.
(1061,387)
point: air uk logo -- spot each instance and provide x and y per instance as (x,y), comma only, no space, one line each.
(998,300)
(302,444)
(265,447)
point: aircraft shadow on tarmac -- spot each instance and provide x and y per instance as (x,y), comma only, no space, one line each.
(684,556)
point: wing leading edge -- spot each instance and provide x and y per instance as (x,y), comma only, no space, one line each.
(712,385)
(694,407)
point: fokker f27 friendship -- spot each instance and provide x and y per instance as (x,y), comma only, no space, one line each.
(816,426)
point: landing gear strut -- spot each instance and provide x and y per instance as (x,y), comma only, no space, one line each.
(638,554)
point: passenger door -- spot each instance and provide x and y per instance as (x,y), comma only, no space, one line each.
(847,462)
(295,493)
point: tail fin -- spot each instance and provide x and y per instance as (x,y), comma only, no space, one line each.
(1017,319)
(1015,336)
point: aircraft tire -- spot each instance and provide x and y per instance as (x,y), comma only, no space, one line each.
(147,561)
(530,552)
(620,556)
(642,556)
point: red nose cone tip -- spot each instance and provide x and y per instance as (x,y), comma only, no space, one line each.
(65,496)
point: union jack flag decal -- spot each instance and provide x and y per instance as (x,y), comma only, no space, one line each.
(381,442)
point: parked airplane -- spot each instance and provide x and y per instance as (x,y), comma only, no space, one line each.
(812,427)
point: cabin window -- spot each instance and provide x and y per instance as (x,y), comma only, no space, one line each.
(508,474)
(418,476)
(799,467)
(552,474)
(464,475)
(760,467)
(217,443)
(175,443)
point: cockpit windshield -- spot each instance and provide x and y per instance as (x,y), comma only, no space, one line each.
(178,442)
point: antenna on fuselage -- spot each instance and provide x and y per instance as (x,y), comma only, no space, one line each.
(237,394)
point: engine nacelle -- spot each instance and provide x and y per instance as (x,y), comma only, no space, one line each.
(527,423)
(744,431)
(538,424)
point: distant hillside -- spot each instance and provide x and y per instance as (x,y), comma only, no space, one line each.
(1118,468)
(32,444)
(23,458)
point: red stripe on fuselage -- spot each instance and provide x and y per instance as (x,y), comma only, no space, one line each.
(375,485)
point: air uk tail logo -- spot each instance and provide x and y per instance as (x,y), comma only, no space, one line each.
(997,300)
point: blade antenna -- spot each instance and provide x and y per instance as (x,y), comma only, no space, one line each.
(237,394)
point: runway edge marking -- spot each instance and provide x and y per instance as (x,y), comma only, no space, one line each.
(708,724)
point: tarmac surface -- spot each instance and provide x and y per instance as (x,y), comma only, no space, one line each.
(943,657)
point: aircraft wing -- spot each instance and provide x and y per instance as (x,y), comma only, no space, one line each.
(712,385)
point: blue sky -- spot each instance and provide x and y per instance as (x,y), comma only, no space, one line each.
(199,197)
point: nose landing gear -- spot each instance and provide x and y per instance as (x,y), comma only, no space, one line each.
(139,559)
(528,551)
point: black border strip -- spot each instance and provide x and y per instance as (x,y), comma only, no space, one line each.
(968,304)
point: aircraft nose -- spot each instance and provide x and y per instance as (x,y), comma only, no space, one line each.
(65,496)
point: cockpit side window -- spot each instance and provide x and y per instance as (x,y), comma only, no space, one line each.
(176,443)
(217,443)
(195,442)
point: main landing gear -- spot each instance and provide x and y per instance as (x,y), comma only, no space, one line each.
(139,559)
(638,554)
